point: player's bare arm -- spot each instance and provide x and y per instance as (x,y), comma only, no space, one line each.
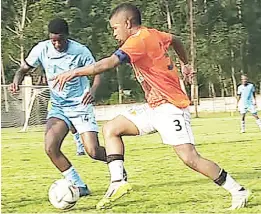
(19,76)
(90,96)
(254,95)
(94,69)
(238,98)
(180,50)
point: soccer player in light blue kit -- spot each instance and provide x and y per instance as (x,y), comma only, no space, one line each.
(246,101)
(73,105)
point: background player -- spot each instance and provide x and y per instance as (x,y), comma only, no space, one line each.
(72,105)
(167,109)
(246,101)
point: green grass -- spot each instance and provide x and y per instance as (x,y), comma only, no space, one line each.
(160,181)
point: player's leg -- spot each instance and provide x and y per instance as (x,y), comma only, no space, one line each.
(57,128)
(94,149)
(175,129)
(253,111)
(258,121)
(77,139)
(188,154)
(56,131)
(243,111)
(83,119)
(92,145)
(133,123)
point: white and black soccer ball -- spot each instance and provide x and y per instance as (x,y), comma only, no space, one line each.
(63,194)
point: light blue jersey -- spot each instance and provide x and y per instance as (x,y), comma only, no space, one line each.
(54,63)
(246,94)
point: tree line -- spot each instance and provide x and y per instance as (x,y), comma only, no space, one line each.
(226,38)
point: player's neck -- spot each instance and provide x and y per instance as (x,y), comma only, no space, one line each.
(135,30)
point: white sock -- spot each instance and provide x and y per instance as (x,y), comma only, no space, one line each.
(77,139)
(116,170)
(71,175)
(231,185)
(258,122)
(243,125)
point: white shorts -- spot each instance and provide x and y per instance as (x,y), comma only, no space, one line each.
(172,123)
(82,117)
(243,109)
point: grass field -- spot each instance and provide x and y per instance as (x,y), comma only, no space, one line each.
(160,181)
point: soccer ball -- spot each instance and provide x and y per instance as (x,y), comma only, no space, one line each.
(63,194)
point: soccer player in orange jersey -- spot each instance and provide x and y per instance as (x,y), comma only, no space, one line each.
(166,110)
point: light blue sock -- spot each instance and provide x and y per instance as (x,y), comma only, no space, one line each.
(71,175)
(79,145)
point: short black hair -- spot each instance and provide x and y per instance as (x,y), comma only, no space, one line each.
(58,26)
(136,15)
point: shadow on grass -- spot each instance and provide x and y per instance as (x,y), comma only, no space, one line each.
(256,174)
(16,204)
(226,142)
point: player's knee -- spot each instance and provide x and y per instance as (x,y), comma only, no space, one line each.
(51,149)
(109,130)
(93,153)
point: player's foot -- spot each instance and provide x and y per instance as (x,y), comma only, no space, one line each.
(242,131)
(80,153)
(240,199)
(116,190)
(84,191)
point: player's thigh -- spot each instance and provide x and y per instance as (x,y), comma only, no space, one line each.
(135,121)
(252,109)
(173,124)
(82,118)
(56,130)
(119,126)
(90,140)
(242,109)
(58,112)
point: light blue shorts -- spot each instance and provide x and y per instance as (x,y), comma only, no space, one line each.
(243,109)
(82,117)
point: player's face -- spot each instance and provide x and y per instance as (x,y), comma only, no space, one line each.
(120,27)
(244,80)
(59,41)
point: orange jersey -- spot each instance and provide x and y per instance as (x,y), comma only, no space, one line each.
(157,74)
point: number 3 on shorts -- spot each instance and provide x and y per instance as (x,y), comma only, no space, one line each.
(177,125)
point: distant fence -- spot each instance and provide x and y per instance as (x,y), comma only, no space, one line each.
(29,106)
(218,104)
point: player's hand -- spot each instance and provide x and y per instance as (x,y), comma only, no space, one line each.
(14,87)
(88,98)
(61,79)
(188,73)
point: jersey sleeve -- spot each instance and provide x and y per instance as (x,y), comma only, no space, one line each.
(34,57)
(166,38)
(239,91)
(123,57)
(135,48)
(87,57)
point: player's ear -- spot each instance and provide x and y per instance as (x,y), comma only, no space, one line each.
(128,24)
